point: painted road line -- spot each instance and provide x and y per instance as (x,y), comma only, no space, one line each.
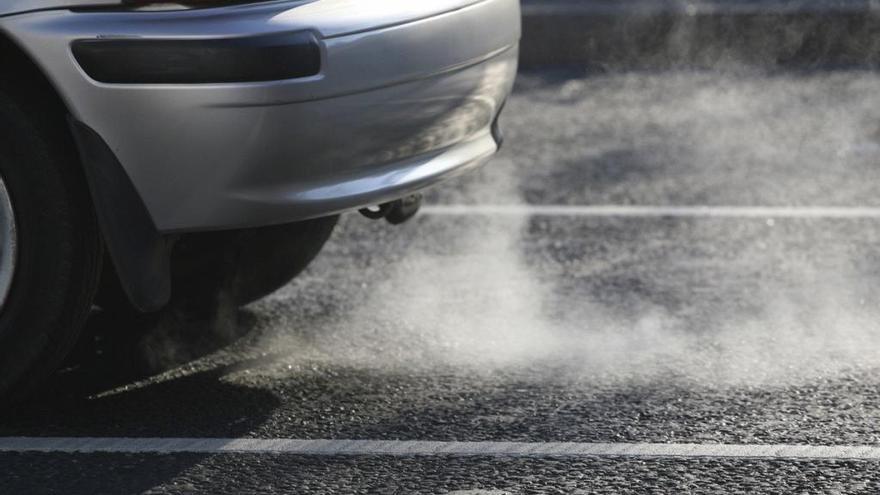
(727,7)
(655,211)
(430,448)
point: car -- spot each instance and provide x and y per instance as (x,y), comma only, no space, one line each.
(155,153)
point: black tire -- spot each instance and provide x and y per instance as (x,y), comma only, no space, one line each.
(245,265)
(59,245)
(269,258)
(238,267)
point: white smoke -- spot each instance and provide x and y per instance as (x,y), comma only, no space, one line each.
(479,297)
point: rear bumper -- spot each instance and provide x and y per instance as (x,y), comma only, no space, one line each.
(405,95)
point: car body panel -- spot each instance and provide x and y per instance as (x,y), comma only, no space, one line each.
(406,95)
(9,7)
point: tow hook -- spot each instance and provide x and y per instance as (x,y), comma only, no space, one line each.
(395,212)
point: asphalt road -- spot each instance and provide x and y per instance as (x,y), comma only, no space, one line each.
(537,326)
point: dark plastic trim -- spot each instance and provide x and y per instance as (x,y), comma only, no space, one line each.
(139,252)
(271,57)
(497,131)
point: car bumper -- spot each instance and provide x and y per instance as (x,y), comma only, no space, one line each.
(406,94)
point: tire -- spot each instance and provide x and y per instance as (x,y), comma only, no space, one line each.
(246,265)
(271,257)
(214,269)
(58,245)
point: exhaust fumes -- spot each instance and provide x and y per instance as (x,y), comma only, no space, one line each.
(710,301)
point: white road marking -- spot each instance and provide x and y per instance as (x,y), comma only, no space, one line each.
(655,211)
(429,448)
(767,7)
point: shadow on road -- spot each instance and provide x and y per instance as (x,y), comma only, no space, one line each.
(105,388)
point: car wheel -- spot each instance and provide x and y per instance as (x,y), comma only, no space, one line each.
(244,265)
(50,246)
(270,258)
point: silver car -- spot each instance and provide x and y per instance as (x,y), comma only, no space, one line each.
(158,153)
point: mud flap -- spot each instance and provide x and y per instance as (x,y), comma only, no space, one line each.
(139,252)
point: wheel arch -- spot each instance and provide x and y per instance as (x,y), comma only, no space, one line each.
(22,76)
(138,252)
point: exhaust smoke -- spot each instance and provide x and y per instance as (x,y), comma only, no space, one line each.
(712,301)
